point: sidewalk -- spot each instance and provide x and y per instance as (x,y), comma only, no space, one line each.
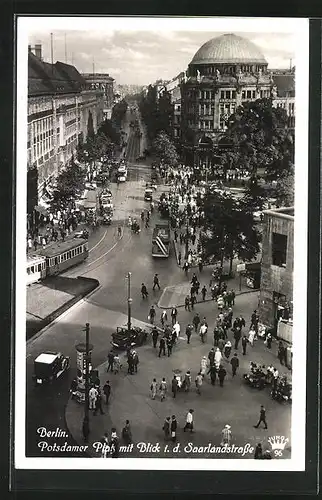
(49,299)
(235,403)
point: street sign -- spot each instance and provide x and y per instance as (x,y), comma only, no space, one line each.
(240,267)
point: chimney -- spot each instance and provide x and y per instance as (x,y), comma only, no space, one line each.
(38,50)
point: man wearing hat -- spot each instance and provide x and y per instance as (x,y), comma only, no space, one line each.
(226,435)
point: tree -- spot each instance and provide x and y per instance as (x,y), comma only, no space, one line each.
(110,132)
(118,112)
(284,191)
(70,183)
(228,229)
(261,139)
(165,150)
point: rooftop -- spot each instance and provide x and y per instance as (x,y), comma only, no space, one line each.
(228,48)
(283,212)
(59,247)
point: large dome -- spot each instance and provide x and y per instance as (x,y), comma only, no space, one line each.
(230,49)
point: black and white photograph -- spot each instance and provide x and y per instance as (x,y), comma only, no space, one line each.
(162,190)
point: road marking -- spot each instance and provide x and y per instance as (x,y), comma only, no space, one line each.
(103,255)
(98,242)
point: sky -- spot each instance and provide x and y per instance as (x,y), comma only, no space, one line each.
(141,57)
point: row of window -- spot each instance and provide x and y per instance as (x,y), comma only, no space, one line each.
(232,94)
(70,254)
(291,107)
(206,109)
(206,124)
(36,268)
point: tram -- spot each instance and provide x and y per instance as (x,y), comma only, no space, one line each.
(55,259)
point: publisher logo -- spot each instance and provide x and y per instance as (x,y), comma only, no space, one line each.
(278,444)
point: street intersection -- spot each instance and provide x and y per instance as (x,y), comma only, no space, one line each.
(111,258)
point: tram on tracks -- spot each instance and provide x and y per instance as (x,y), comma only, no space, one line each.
(55,259)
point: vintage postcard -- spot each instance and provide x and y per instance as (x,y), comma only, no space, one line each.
(161,225)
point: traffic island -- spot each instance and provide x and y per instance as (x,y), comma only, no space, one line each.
(47,300)
(235,404)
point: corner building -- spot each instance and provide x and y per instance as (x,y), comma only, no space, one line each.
(276,290)
(224,73)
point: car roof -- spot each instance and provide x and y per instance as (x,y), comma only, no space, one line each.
(47,358)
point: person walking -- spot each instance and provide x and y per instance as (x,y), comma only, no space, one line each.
(203,332)
(153,388)
(189,421)
(198,382)
(187,303)
(152,314)
(127,433)
(155,336)
(234,364)
(163,389)
(174,386)
(174,314)
(135,361)
(144,291)
(221,375)
(188,332)
(244,344)
(237,336)
(173,428)
(262,417)
(156,282)
(162,346)
(196,321)
(107,391)
(211,356)
(98,404)
(217,357)
(187,381)
(203,292)
(226,435)
(251,336)
(200,266)
(193,300)
(166,428)
(213,374)
(130,363)
(170,343)
(164,317)
(93,392)
(110,359)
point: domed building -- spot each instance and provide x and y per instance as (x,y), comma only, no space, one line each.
(225,72)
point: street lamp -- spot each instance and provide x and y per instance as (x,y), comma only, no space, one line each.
(129,302)
(86,409)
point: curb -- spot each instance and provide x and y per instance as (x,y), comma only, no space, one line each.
(209,300)
(67,307)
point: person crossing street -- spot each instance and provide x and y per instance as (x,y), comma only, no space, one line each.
(155,336)
(152,314)
(156,282)
(262,418)
(144,291)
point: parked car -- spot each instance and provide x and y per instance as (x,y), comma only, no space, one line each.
(49,366)
(123,339)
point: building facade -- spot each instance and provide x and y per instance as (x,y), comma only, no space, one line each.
(225,72)
(105,83)
(283,94)
(60,107)
(276,291)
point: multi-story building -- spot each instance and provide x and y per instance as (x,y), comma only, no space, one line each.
(283,94)
(60,108)
(276,290)
(224,73)
(105,83)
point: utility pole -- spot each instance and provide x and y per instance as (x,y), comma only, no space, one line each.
(86,409)
(129,302)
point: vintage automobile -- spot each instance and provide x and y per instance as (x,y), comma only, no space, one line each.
(107,219)
(148,194)
(123,339)
(49,366)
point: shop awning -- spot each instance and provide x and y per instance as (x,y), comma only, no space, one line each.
(42,210)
